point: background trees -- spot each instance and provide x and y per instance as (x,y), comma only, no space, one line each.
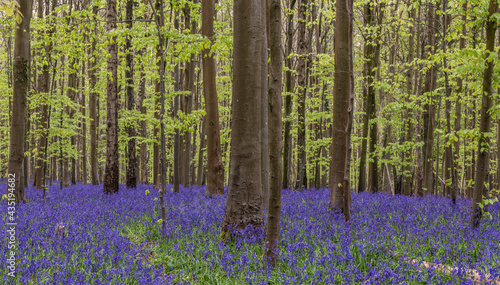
(416,113)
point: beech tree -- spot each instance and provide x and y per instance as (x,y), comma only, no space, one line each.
(275,132)
(215,169)
(244,204)
(21,67)
(339,194)
(129,75)
(483,154)
(111,176)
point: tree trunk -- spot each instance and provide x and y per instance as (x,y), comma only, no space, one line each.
(20,86)
(341,104)
(483,159)
(450,174)
(111,175)
(302,89)
(43,88)
(215,169)
(83,109)
(143,126)
(275,132)
(407,190)
(244,201)
(94,165)
(287,143)
(177,136)
(188,100)
(429,117)
(131,180)
(265,109)
(201,165)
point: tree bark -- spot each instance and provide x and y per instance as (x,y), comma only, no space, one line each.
(429,116)
(341,105)
(94,165)
(111,175)
(43,88)
(287,143)
(450,174)
(458,107)
(275,132)
(143,126)
(483,159)
(188,100)
(131,180)
(265,109)
(215,169)
(20,86)
(244,201)
(407,189)
(302,89)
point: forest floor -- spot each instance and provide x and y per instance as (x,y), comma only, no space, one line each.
(81,236)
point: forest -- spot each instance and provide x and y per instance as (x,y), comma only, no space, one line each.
(250,141)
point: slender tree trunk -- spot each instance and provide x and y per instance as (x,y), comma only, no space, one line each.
(302,89)
(483,159)
(419,176)
(287,149)
(458,107)
(83,109)
(275,132)
(143,126)
(177,136)
(215,169)
(159,18)
(111,175)
(450,174)
(407,190)
(429,117)
(201,165)
(187,100)
(156,153)
(43,88)
(131,180)
(94,165)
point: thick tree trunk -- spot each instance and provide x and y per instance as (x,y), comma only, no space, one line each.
(21,85)
(483,159)
(111,175)
(275,135)
(215,169)
(244,201)
(341,105)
